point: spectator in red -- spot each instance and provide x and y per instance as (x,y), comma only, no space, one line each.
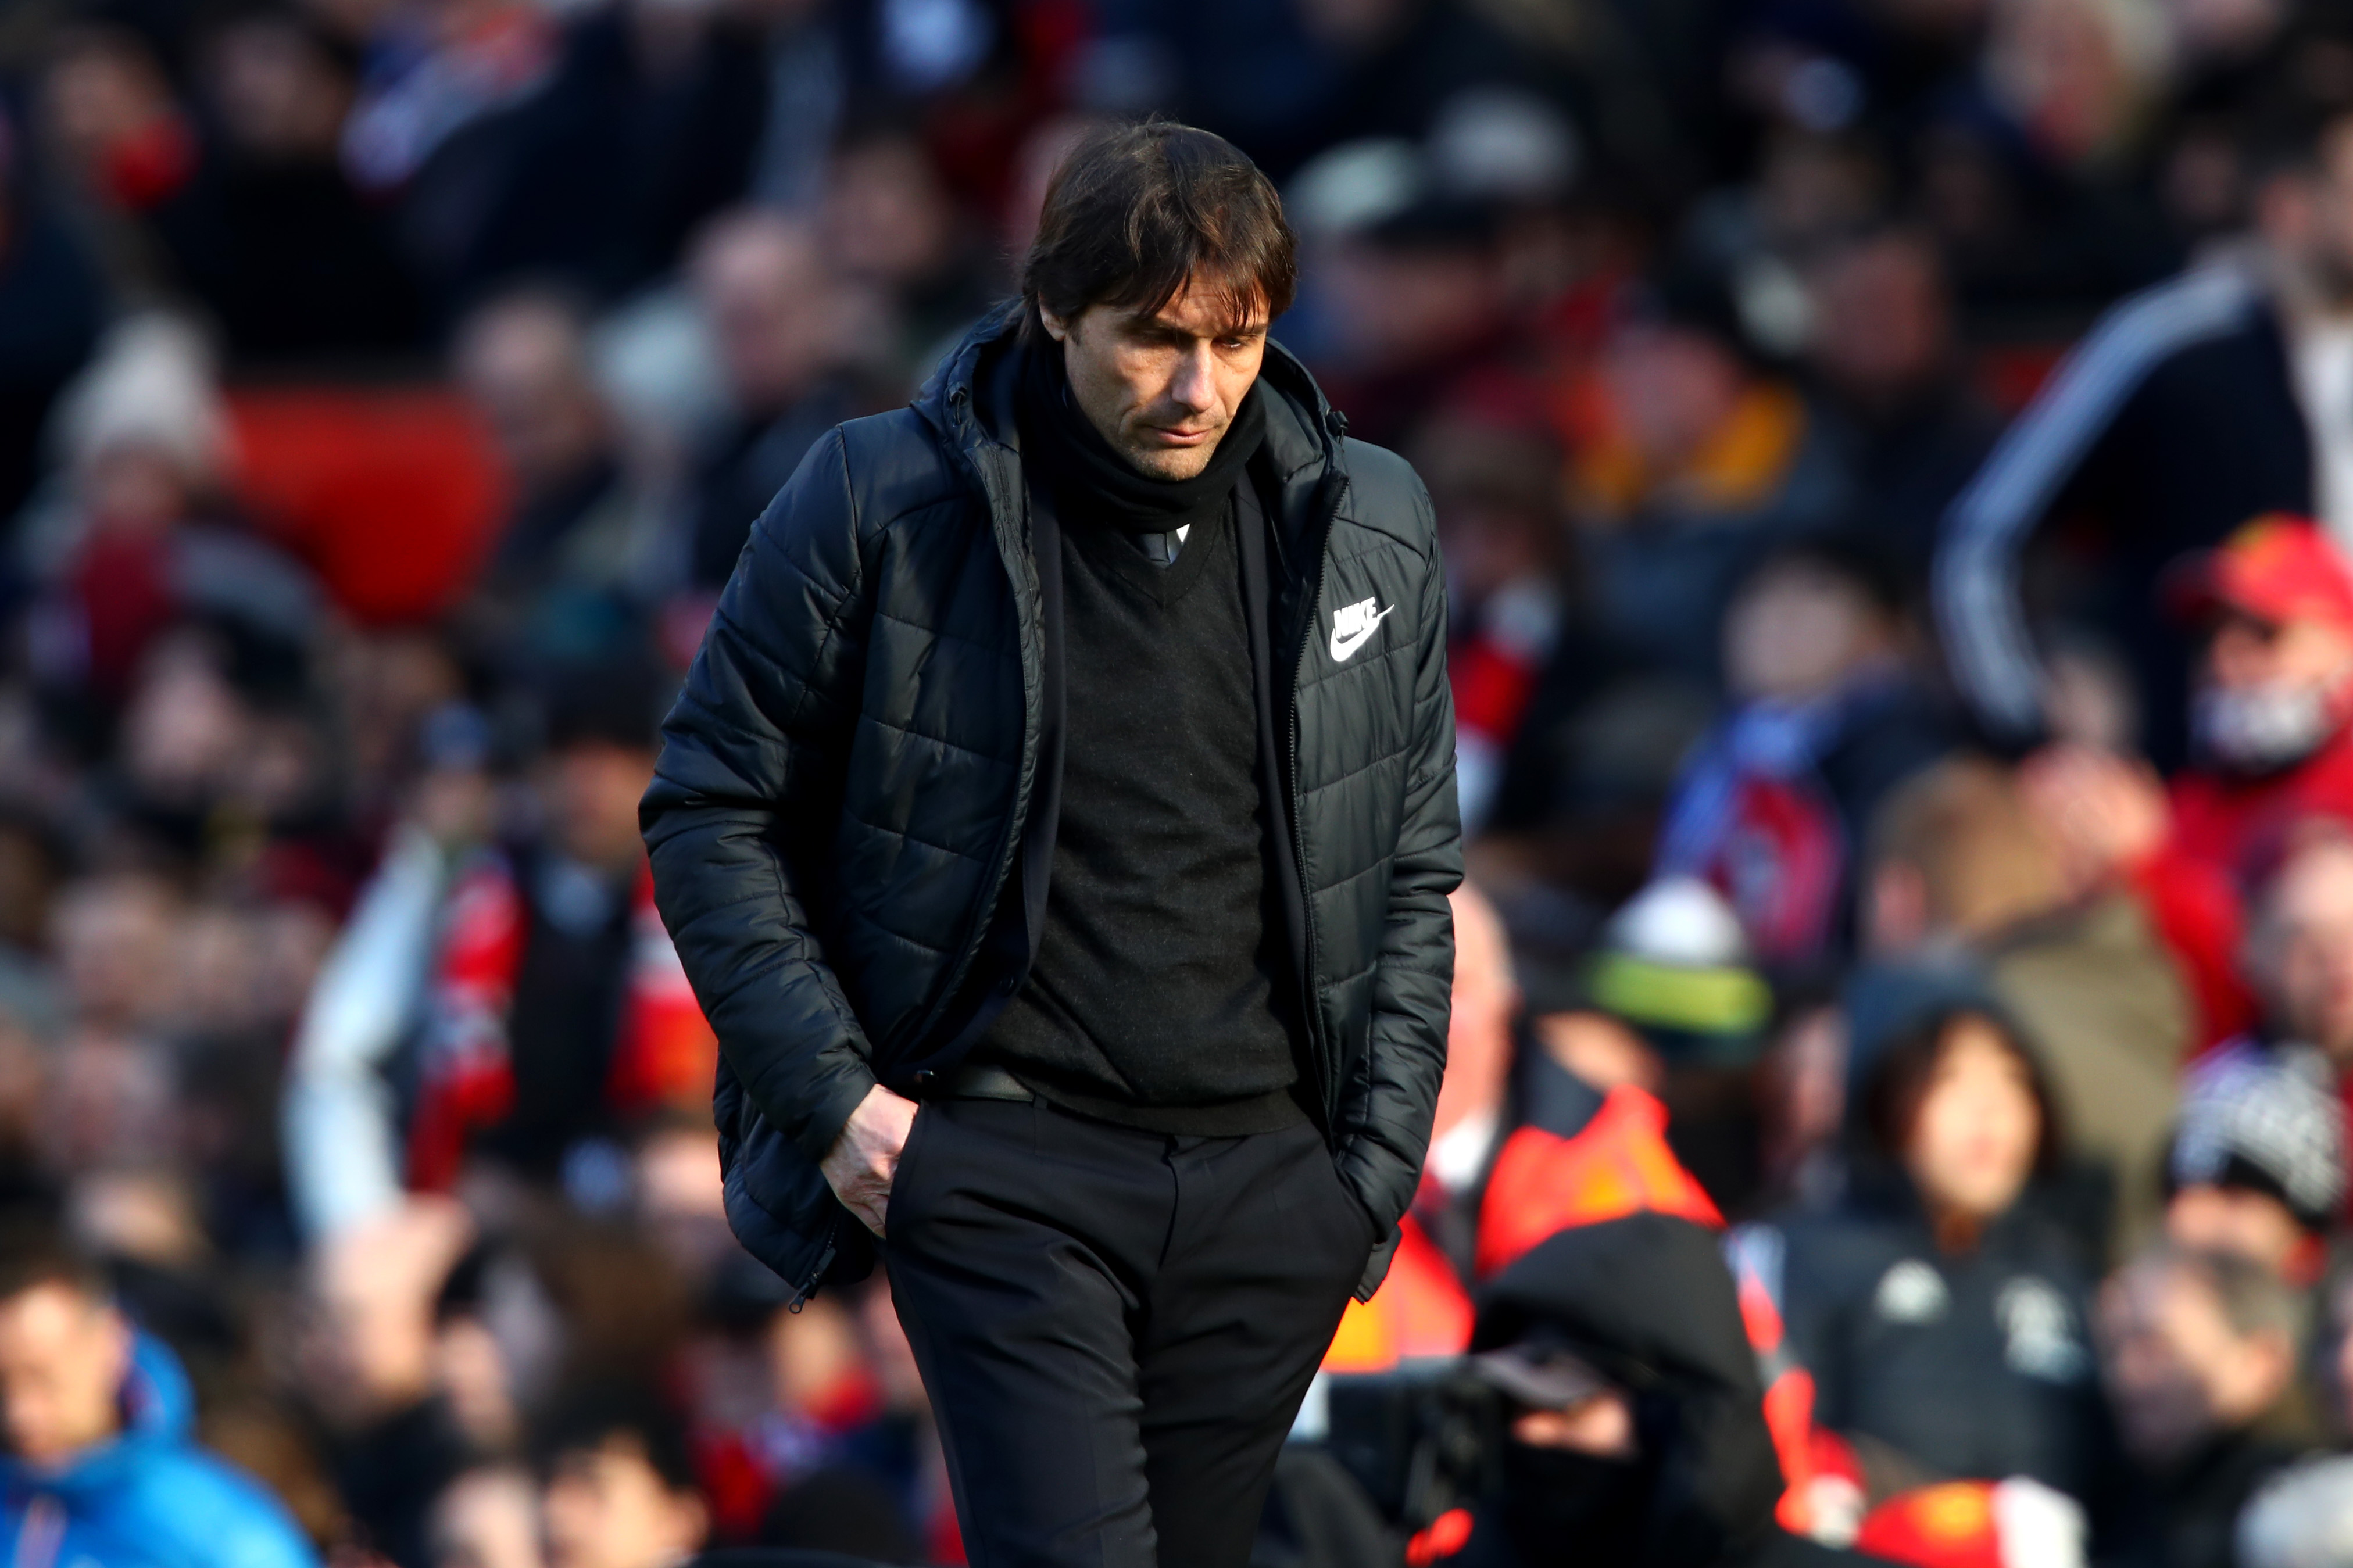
(2269,717)
(2272,730)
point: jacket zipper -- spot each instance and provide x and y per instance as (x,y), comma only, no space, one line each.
(1323,1061)
(1008,846)
(807,1288)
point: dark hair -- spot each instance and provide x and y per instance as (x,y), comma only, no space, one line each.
(1899,1082)
(36,1251)
(588,1417)
(1136,212)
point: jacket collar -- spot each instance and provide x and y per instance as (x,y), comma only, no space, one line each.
(967,399)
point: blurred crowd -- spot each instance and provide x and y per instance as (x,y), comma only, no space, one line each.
(1906,705)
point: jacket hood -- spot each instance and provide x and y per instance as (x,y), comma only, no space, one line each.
(967,399)
(1649,1300)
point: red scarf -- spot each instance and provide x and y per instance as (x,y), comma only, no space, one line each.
(663,1054)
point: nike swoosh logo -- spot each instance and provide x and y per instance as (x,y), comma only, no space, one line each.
(1345,647)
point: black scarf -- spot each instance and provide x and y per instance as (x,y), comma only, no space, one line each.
(1061,446)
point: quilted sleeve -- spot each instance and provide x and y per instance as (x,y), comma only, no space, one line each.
(1384,1118)
(742,795)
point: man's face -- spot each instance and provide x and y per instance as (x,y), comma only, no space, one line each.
(608,1508)
(1478,1030)
(2178,1372)
(62,1361)
(771,306)
(2247,654)
(2240,1221)
(1883,323)
(593,790)
(2310,216)
(2311,912)
(1162,387)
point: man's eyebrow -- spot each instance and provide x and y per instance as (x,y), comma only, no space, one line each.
(1167,328)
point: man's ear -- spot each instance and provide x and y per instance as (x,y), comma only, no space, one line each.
(1057,328)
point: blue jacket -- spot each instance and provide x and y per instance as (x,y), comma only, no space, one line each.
(151,1499)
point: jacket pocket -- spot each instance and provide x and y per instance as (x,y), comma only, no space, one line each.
(892,1216)
(784,1212)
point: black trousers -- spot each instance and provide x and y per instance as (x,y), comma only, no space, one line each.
(1115,1326)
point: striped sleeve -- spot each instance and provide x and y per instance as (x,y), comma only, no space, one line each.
(1977,606)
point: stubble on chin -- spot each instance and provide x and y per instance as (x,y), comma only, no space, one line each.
(1171,463)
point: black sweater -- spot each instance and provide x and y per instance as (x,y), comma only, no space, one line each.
(1153,998)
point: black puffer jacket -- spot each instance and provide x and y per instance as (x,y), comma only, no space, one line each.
(846,778)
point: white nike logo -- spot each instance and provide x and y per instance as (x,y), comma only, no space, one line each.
(1353,626)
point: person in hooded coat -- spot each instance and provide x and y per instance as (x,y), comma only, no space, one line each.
(1633,1424)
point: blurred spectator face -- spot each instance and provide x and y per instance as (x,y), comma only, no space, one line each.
(487,1518)
(115,939)
(1801,1091)
(1398,305)
(279,96)
(2075,73)
(886,217)
(2308,931)
(1496,485)
(1600,1050)
(1882,321)
(681,1195)
(766,298)
(2309,215)
(132,487)
(108,1100)
(1671,388)
(2272,692)
(818,1362)
(593,790)
(1161,388)
(2248,654)
(608,1508)
(185,730)
(1602,1427)
(1798,630)
(1959,852)
(111,118)
(2179,1371)
(1486,997)
(1973,1139)
(523,364)
(2242,1221)
(63,1357)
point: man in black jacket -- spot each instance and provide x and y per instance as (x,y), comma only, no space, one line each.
(2191,408)
(1057,826)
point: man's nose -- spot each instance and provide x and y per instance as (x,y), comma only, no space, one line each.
(1195,385)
